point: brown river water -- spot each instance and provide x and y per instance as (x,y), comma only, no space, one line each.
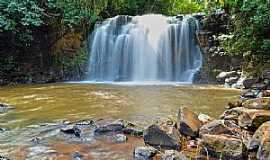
(39,108)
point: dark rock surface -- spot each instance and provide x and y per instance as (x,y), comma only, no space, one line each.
(188,122)
(156,137)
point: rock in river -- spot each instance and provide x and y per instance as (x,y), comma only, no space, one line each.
(215,127)
(144,153)
(114,127)
(156,137)
(73,130)
(5,107)
(119,138)
(188,122)
(225,147)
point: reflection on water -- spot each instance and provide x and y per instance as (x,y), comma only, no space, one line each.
(51,103)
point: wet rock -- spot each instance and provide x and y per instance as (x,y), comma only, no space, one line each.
(249,82)
(144,153)
(231,80)
(251,94)
(5,107)
(259,103)
(215,127)
(114,127)
(259,86)
(4,158)
(72,130)
(173,155)
(119,138)
(260,142)
(225,147)
(159,138)
(86,123)
(77,156)
(223,75)
(2,130)
(36,140)
(188,122)
(204,118)
(133,132)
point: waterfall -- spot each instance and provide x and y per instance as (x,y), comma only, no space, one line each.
(144,48)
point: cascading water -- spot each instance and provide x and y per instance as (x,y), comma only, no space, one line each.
(144,48)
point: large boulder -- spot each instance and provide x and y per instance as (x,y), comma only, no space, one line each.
(225,147)
(188,122)
(260,142)
(247,118)
(258,103)
(161,137)
(215,127)
(144,153)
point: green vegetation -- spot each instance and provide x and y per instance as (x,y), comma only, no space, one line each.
(35,31)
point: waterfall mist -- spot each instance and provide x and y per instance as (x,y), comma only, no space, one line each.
(144,48)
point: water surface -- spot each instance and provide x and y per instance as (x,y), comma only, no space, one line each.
(37,105)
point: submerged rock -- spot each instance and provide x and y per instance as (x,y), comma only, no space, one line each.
(77,156)
(114,127)
(188,122)
(173,155)
(119,138)
(144,153)
(4,158)
(73,130)
(225,147)
(159,138)
(5,107)
(133,131)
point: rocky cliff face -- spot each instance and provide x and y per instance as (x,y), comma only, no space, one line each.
(213,32)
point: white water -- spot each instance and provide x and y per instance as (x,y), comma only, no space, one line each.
(144,49)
